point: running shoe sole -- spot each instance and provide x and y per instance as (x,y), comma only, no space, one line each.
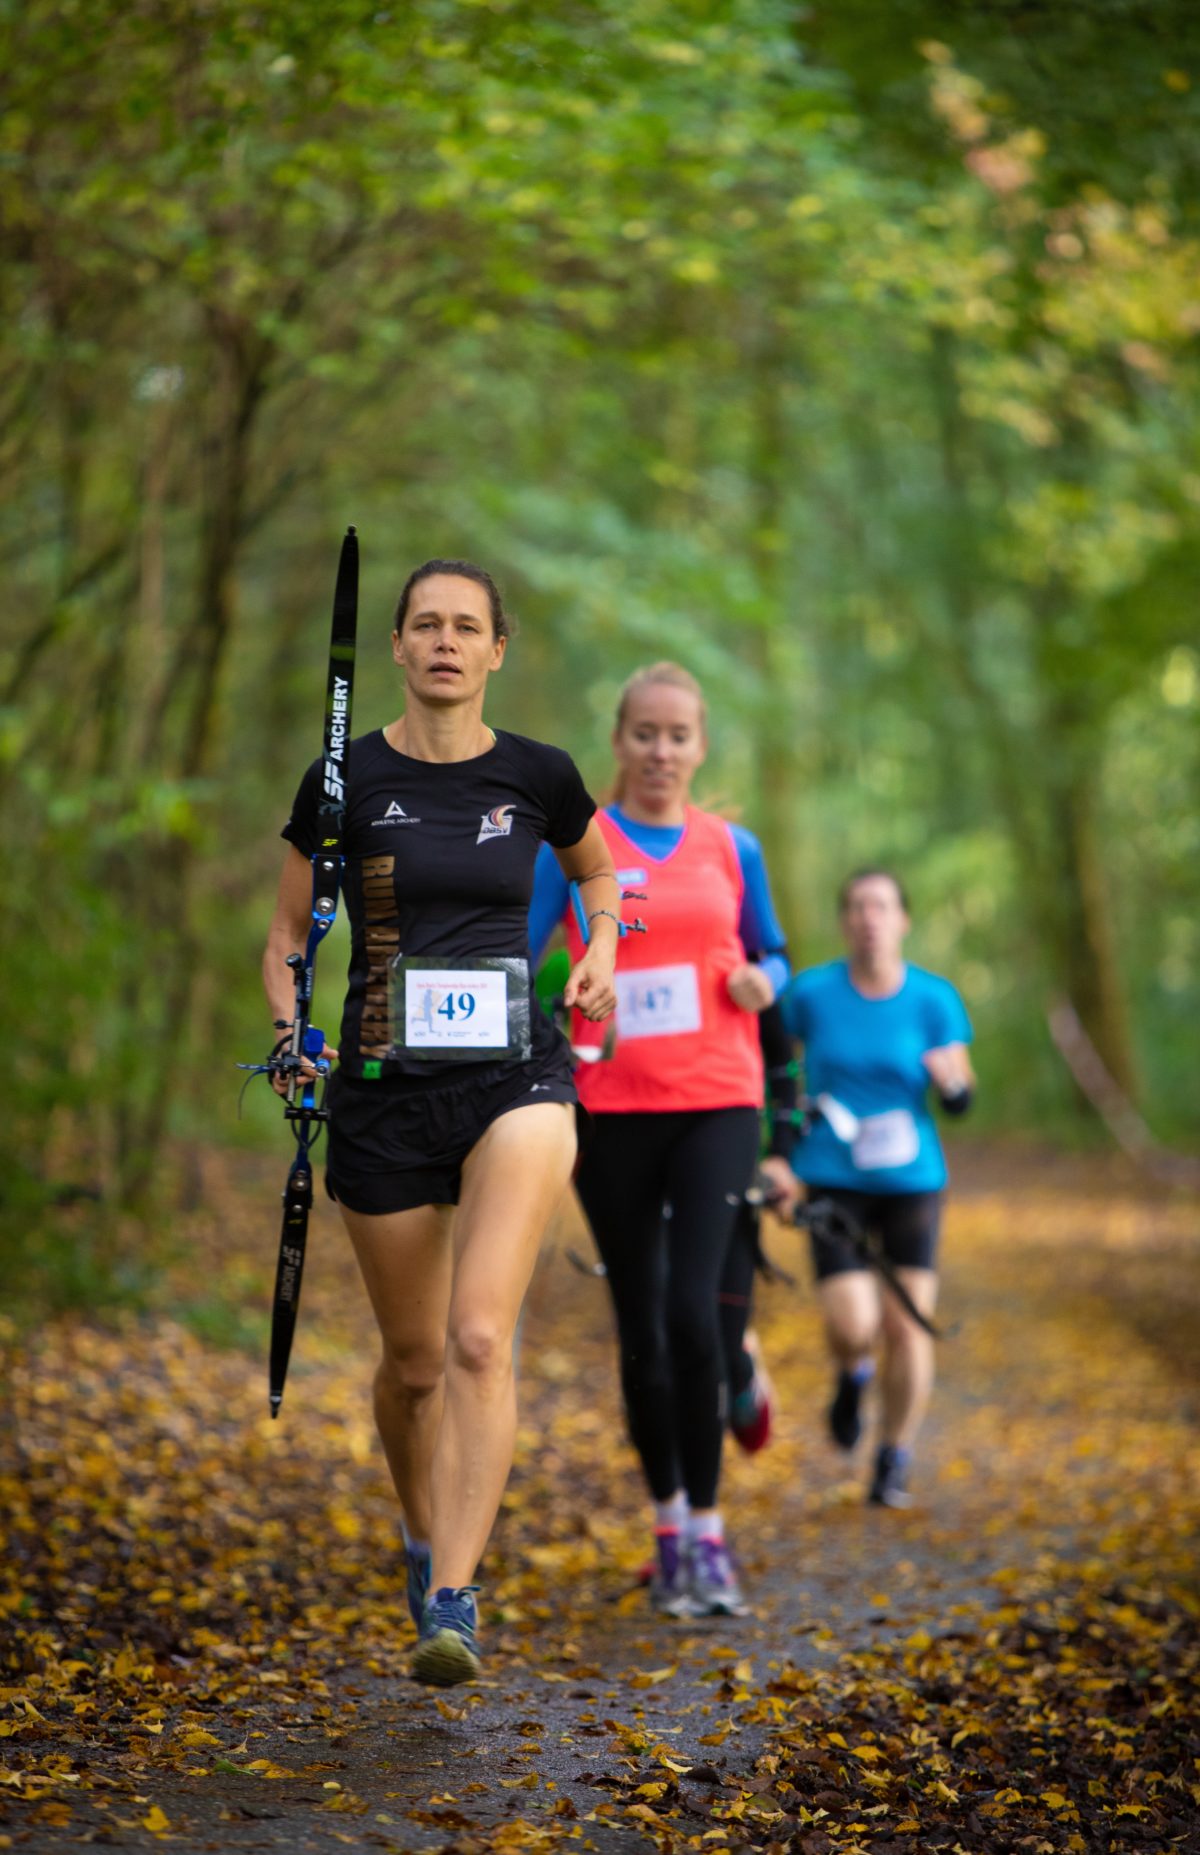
(677,1604)
(730,1605)
(442,1661)
(890,1497)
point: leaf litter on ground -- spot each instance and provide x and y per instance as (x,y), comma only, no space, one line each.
(203,1635)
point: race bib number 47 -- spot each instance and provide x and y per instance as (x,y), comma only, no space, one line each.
(658,1001)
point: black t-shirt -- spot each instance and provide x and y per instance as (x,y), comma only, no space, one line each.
(439,866)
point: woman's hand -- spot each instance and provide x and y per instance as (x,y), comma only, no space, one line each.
(306,1072)
(749,988)
(784,1189)
(590,985)
(286,938)
(950,1068)
(589,865)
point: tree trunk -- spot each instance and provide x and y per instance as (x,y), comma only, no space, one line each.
(1086,956)
(159,1000)
(1045,778)
(780,756)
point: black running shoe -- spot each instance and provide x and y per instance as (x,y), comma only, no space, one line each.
(845,1413)
(889,1484)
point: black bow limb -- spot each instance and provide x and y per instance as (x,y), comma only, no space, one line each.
(298,1056)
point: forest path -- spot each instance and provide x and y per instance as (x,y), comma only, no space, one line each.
(203,1639)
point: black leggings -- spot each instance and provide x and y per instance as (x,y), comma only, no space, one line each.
(736,1298)
(665,1272)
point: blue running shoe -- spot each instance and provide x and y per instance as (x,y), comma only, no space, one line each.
(447,1651)
(419,1564)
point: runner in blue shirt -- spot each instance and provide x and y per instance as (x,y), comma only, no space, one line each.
(876,1033)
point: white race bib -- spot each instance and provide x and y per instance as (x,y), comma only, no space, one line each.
(658,1001)
(886,1140)
(450,1009)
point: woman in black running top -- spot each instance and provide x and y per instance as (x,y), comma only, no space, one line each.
(452,1126)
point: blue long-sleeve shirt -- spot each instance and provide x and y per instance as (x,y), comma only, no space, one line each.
(758,924)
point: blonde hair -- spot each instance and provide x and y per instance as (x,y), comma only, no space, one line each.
(673,674)
(675,677)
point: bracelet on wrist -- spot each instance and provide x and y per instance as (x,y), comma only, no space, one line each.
(596,912)
(282,1024)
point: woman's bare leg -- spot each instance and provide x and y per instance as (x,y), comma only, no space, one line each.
(406,1261)
(512,1181)
(850,1305)
(907,1378)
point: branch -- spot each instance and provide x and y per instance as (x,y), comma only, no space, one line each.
(1112,1104)
(40,640)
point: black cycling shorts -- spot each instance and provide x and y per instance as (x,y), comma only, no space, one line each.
(907,1224)
(401,1142)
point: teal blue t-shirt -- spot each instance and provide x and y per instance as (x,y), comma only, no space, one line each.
(867,1053)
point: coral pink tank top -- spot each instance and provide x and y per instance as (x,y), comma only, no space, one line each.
(681,1042)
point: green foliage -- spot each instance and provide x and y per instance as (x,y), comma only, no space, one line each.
(850,360)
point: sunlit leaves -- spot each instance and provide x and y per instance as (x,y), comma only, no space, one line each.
(202,1611)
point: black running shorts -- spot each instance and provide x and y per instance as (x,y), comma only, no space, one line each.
(907,1224)
(401,1142)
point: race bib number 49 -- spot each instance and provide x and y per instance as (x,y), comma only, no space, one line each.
(446,1008)
(658,1001)
(476,1011)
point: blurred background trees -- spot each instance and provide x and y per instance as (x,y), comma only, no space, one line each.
(847,353)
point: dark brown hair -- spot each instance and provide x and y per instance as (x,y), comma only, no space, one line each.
(862,875)
(503,624)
